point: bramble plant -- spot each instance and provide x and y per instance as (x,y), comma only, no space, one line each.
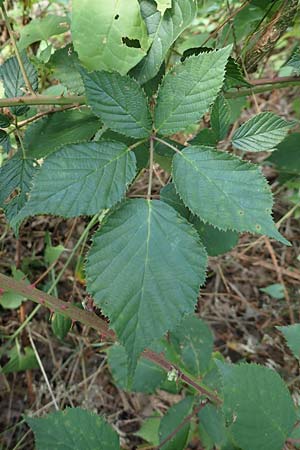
(121,93)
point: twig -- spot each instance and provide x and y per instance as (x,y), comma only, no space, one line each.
(181,425)
(42,368)
(95,322)
(16,50)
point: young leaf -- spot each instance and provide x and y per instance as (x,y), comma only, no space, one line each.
(212,421)
(119,102)
(188,90)
(73,428)
(10,299)
(4,141)
(147,378)
(292,336)
(261,133)
(142,294)
(173,418)
(60,325)
(257,405)
(163,30)
(63,65)
(80,179)
(15,179)
(4,121)
(149,430)
(224,191)
(287,156)
(234,76)
(20,360)
(274,290)
(193,341)
(42,29)
(220,117)
(119,38)
(59,129)
(214,240)
(206,137)
(13,81)
(294,61)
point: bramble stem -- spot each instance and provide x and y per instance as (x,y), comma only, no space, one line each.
(16,50)
(93,321)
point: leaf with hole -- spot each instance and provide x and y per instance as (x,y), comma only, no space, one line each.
(262,132)
(119,38)
(61,430)
(224,191)
(142,294)
(188,90)
(119,102)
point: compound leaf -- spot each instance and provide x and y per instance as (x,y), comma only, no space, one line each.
(261,133)
(188,90)
(118,39)
(173,418)
(292,336)
(144,270)
(59,129)
(42,29)
(225,191)
(73,428)
(257,405)
(80,179)
(163,29)
(119,101)
(13,81)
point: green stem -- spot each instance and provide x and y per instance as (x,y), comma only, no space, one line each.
(151,161)
(261,88)
(16,50)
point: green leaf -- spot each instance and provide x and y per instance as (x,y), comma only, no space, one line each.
(15,179)
(118,39)
(147,378)
(163,30)
(4,140)
(13,81)
(257,406)
(63,65)
(162,5)
(206,137)
(59,129)
(20,360)
(142,294)
(73,428)
(60,325)
(274,290)
(80,179)
(4,121)
(214,240)
(212,421)
(193,340)
(220,117)
(149,430)
(10,299)
(292,336)
(225,191)
(42,29)
(119,102)
(287,156)
(261,133)
(173,418)
(234,76)
(294,61)
(188,90)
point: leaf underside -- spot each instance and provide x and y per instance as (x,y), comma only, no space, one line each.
(144,270)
